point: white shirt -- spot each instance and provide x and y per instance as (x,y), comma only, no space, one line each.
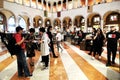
(44,45)
(59,37)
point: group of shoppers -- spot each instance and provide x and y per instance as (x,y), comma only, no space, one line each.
(47,46)
(28,43)
(99,39)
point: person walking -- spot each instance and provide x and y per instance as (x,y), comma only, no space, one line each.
(21,59)
(51,41)
(93,34)
(58,40)
(112,38)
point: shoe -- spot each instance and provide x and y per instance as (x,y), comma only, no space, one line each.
(113,62)
(43,68)
(108,64)
(28,76)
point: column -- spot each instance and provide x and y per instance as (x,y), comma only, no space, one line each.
(67,4)
(86,29)
(86,2)
(102,24)
(73,4)
(42,4)
(16,20)
(30,2)
(37,4)
(56,6)
(51,9)
(46,5)
(78,5)
(61,5)
(94,2)
(23,2)
(103,1)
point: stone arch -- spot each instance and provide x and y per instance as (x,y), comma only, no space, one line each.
(37,21)
(57,22)
(47,22)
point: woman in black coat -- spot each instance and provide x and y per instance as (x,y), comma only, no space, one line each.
(98,43)
(51,40)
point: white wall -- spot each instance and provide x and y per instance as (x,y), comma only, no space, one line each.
(31,12)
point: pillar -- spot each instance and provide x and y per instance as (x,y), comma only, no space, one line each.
(86,2)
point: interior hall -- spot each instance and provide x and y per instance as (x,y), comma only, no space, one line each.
(65,45)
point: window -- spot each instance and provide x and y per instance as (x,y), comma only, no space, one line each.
(22,22)
(96,19)
(11,24)
(113,18)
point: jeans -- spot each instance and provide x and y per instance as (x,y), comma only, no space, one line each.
(58,45)
(22,64)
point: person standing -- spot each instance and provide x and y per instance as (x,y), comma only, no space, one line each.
(21,59)
(98,43)
(93,34)
(30,46)
(44,41)
(51,41)
(112,38)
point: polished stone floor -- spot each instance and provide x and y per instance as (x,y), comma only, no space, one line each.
(72,64)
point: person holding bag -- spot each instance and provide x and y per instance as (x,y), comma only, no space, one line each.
(44,41)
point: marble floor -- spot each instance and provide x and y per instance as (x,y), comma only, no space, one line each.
(72,64)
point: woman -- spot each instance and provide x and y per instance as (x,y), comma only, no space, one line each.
(98,43)
(51,41)
(30,46)
(44,47)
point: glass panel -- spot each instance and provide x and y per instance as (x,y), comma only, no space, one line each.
(11,24)
(1,23)
(96,19)
(22,23)
(113,18)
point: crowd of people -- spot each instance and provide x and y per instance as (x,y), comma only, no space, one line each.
(28,44)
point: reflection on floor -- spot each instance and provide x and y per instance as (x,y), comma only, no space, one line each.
(72,64)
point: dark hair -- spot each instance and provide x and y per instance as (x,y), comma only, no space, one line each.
(42,29)
(18,28)
(48,30)
(32,30)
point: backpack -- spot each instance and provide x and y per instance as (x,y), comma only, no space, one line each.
(10,44)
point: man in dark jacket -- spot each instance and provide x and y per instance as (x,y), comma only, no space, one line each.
(112,38)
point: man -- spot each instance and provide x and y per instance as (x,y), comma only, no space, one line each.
(58,39)
(21,59)
(112,38)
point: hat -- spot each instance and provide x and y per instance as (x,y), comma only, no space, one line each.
(18,28)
